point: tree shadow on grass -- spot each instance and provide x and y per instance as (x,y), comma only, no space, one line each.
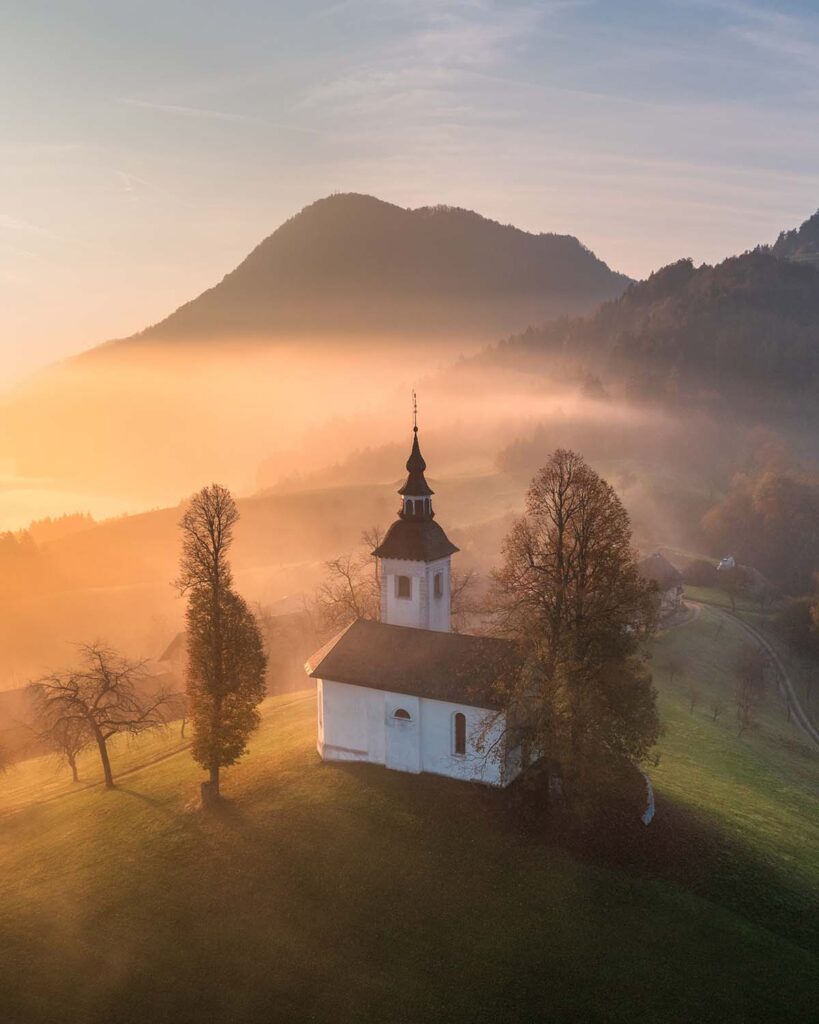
(679,846)
(152,801)
(683,848)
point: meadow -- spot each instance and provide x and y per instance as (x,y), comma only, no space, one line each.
(350,893)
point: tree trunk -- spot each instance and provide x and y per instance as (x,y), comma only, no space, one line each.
(209,791)
(182,730)
(74,773)
(106,764)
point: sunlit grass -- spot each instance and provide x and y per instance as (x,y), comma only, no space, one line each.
(761,789)
(352,894)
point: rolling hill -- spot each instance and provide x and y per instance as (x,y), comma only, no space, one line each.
(353,264)
(351,893)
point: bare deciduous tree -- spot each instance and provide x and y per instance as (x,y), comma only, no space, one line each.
(464,605)
(102,697)
(348,592)
(676,664)
(351,588)
(750,668)
(68,738)
(717,706)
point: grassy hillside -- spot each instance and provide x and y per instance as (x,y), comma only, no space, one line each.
(353,893)
(800,668)
(754,799)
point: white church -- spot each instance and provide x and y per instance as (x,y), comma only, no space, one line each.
(406,692)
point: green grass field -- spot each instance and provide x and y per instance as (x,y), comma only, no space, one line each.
(757,795)
(803,671)
(328,893)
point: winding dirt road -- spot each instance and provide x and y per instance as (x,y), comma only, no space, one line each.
(786,683)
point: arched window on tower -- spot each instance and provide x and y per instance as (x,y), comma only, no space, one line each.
(402,714)
(459,732)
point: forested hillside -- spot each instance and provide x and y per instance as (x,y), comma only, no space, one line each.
(801,243)
(748,327)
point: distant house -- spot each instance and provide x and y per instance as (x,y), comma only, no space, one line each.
(174,658)
(407,692)
(657,569)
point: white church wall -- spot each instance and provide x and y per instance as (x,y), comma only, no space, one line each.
(403,611)
(357,723)
(438,742)
(344,721)
(422,610)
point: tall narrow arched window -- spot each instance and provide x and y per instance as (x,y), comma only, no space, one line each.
(459,732)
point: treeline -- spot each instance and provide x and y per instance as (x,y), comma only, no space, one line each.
(746,328)
(770,520)
(23,566)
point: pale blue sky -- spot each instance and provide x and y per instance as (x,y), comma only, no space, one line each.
(147,145)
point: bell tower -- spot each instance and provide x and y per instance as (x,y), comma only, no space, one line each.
(415,555)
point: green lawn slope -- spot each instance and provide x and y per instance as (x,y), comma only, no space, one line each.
(751,802)
(329,893)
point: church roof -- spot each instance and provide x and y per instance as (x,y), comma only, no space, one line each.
(452,667)
(416,540)
(416,485)
(658,569)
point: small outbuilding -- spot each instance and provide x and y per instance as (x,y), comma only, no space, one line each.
(669,580)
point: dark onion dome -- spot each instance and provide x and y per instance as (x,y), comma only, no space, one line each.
(401,659)
(416,484)
(416,540)
(414,536)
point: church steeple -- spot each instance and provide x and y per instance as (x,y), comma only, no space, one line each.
(415,553)
(416,492)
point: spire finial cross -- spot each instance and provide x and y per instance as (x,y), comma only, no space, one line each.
(414,412)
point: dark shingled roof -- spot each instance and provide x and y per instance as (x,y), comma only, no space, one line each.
(658,569)
(418,540)
(444,666)
(176,648)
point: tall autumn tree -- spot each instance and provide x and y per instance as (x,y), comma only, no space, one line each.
(570,594)
(226,657)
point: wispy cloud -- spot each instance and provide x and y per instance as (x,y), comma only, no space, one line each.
(195,112)
(442,50)
(202,113)
(25,227)
(775,31)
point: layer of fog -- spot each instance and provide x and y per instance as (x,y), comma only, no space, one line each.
(320,436)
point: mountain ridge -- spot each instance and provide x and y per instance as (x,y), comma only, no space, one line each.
(353,263)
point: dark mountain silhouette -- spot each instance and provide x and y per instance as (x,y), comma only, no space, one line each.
(352,263)
(747,327)
(801,243)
